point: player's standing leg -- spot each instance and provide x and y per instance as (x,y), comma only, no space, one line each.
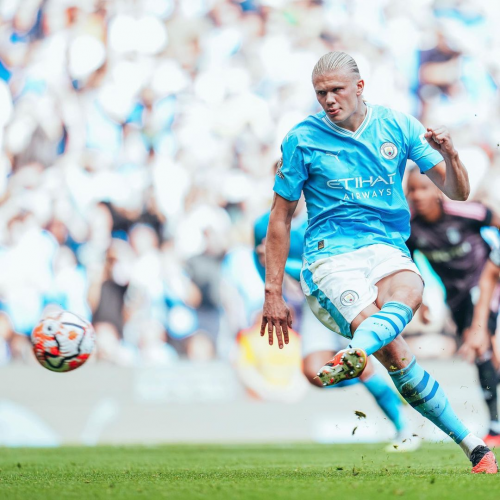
(425,395)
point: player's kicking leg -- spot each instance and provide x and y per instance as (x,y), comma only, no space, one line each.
(344,289)
(387,400)
(319,343)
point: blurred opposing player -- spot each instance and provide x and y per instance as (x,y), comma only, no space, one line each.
(477,337)
(357,274)
(448,233)
(319,343)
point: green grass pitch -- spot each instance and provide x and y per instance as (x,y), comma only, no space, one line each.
(248,472)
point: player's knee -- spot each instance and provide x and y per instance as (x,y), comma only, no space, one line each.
(410,295)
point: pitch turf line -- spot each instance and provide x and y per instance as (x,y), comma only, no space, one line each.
(241,472)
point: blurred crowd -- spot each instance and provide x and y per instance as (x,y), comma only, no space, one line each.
(138,137)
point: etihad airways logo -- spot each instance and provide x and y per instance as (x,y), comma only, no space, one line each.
(360,182)
(364,187)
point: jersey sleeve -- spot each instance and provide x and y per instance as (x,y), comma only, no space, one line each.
(486,216)
(260,229)
(259,233)
(495,256)
(419,149)
(292,172)
(410,243)
(473,213)
(293,268)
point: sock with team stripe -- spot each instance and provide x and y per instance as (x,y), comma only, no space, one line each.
(382,327)
(424,394)
(387,399)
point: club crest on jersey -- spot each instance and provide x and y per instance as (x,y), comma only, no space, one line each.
(388,150)
(349,297)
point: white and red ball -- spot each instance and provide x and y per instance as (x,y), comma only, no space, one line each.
(63,341)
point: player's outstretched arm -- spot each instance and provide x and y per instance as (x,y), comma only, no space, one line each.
(276,314)
(449,176)
(477,337)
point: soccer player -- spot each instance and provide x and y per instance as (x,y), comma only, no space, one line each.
(448,233)
(319,343)
(477,337)
(357,274)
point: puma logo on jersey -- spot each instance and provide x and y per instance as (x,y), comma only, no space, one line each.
(335,155)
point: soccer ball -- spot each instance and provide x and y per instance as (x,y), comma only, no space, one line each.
(63,341)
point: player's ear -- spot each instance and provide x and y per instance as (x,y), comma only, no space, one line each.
(360,87)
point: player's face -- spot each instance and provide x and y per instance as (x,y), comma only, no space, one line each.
(339,94)
(423,195)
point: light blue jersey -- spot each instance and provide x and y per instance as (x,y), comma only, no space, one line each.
(352,181)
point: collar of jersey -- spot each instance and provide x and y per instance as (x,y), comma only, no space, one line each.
(348,133)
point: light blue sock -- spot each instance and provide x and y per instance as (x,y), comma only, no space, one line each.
(387,399)
(382,327)
(344,383)
(425,395)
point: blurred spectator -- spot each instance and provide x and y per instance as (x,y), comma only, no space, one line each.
(200,348)
(108,287)
(205,271)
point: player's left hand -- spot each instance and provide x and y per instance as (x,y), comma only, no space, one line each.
(439,139)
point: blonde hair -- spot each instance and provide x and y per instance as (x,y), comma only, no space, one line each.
(333,61)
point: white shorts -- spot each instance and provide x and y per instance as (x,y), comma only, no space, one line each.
(338,288)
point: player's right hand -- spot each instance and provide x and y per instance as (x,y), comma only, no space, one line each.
(476,342)
(439,139)
(277,316)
